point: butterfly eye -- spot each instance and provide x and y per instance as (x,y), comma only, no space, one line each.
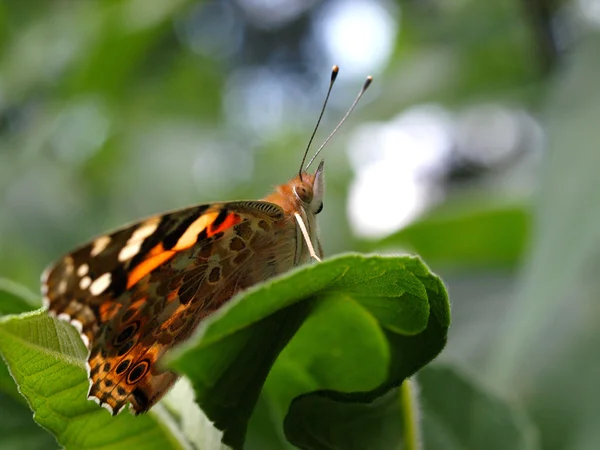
(303,194)
(319,209)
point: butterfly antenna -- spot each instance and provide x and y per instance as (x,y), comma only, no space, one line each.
(365,86)
(334,74)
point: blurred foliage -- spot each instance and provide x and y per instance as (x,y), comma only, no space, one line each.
(467,237)
(111,110)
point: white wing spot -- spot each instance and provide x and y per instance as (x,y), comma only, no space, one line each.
(62,286)
(134,243)
(65,317)
(100,284)
(129,251)
(77,324)
(44,277)
(83,270)
(144,230)
(107,407)
(99,245)
(85,283)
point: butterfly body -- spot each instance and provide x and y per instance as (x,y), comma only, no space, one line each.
(135,293)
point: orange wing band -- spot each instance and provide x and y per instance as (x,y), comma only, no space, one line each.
(231,220)
(158,255)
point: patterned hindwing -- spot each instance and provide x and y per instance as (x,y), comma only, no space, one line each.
(141,290)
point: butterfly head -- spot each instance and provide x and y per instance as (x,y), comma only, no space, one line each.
(302,194)
(309,190)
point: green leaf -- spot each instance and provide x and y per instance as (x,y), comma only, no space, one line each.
(355,325)
(350,425)
(455,413)
(17,427)
(46,357)
(311,419)
(467,236)
(459,414)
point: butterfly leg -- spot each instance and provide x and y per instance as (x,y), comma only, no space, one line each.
(302,226)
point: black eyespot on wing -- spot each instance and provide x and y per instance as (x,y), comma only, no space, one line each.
(319,209)
(122,367)
(137,372)
(126,334)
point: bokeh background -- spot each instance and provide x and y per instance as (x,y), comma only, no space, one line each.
(476,147)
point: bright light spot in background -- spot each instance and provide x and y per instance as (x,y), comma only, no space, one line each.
(488,134)
(589,11)
(359,36)
(508,142)
(394,163)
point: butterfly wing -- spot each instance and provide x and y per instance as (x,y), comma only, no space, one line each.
(139,291)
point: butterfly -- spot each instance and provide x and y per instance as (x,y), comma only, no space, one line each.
(136,292)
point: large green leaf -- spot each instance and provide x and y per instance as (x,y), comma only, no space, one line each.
(46,358)
(356,326)
(448,411)
(14,299)
(312,417)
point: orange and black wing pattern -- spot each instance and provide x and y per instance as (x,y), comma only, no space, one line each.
(135,293)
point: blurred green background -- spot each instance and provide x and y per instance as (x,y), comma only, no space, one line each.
(476,147)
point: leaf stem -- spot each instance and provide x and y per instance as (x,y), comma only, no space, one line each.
(410,414)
